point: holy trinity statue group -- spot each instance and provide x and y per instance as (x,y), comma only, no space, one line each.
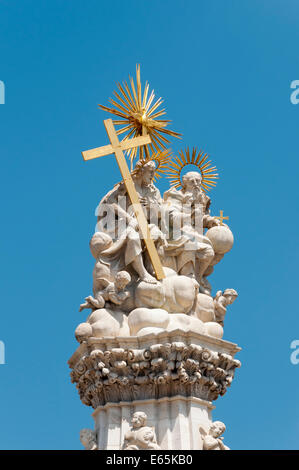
(154,254)
(124,284)
(153,257)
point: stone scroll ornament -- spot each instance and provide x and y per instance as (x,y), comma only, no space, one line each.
(153,257)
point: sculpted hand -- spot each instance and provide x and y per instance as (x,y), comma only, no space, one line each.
(133,223)
(216,222)
(143,201)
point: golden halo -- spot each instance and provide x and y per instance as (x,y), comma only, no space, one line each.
(162,159)
(139,116)
(209,173)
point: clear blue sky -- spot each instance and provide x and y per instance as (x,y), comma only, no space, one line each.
(224,69)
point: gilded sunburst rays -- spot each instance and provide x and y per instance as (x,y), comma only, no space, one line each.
(139,115)
(162,160)
(200,160)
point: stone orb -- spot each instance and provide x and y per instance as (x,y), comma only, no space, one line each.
(221,238)
(106,322)
(214,329)
(83,331)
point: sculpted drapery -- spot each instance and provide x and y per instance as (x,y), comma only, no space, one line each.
(176,224)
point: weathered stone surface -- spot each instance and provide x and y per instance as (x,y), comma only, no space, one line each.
(167,364)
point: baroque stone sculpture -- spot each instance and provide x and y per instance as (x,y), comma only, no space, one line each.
(213,440)
(89,439)
(153,338)
(140,436)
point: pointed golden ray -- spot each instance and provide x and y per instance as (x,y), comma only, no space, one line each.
(188,156)
(145,93)
(159,136)
(124,129)
(126,97)
(125,104)
(112,111)
(118,122)
(150,100)
(130,97)
(159,113)
(156,146)
(184,158)
(119,106)
(134,91)
(155,106)
(202,160)
(161,159)
(196,162)
(139,110)
(168,132)
(206,165)
(138,80)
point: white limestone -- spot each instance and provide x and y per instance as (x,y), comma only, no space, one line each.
(151,359)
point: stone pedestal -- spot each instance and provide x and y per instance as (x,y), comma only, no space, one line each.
(173,377)
(176,421)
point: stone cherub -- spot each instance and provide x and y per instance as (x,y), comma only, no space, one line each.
(140,436)
(213,440)
(221,301)
(114,293)
(89,439)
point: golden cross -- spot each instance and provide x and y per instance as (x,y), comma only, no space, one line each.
(117,148)
(221,218)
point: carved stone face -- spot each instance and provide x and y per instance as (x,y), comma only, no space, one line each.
(192,181)
(217,429)
(230,299)
(87,436)
(148,173)
(138,420)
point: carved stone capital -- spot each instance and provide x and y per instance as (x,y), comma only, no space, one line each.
(110,370)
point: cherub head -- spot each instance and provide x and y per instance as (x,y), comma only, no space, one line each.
(121,280)
(230,295)
(138,419)
(88,438)
(217,429)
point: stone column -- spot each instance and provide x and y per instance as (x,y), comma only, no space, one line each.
(173,377)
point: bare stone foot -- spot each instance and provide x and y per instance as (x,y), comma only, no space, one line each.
(148,278)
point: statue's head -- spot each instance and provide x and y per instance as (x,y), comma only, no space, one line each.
(230,295)
(145,172)
(138,419)
(122,279)
(217,428)
(87,437)
(191,181)
(99,242)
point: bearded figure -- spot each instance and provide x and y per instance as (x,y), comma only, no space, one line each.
(189,252)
